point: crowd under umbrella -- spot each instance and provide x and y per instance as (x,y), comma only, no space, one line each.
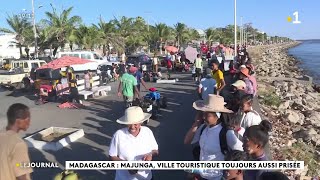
(65,61)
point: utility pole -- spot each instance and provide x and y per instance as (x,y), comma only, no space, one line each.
(34,31)
(235,28)
(241,32)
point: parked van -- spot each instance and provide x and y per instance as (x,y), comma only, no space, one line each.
(92,56)
(26,65)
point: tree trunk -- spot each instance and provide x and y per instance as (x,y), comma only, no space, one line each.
(71,46)
(55,51)
(20,49)
(50,50)
(104,51)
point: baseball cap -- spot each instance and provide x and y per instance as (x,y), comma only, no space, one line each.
(133,69)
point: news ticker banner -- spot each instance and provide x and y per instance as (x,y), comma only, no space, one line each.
(182,165)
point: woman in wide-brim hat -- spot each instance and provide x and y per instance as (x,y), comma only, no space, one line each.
(206,131)
(245,76)
(133,143)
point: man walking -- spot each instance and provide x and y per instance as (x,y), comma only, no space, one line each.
(207,85)
(217,74)
(199,67)
(138,75)
(128,87)
(13,149)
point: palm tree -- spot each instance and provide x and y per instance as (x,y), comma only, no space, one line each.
(163,33)
(193,34)
(181,33)
(124,25)
(109,36)
(21,27)
(86,37)
(62,26)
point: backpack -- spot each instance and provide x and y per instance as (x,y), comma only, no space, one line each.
(223,142)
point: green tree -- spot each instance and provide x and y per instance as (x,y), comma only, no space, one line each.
(109,35)
(62,26)
(181,33)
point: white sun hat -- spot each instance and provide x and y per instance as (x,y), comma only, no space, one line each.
(133,115)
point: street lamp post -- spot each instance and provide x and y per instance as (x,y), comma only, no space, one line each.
(235,27)
(241,32)
(34,31)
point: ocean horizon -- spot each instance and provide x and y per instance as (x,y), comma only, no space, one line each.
(308,54)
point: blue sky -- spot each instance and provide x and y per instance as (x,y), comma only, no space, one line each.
(269,16)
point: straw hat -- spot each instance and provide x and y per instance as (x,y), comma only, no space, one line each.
(215,103)
(133,115)
(245,71)
(239,84)
(243,66)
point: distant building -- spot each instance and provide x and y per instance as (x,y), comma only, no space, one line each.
(9,47)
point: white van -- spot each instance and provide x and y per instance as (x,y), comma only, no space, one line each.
(26,65)
(92,56)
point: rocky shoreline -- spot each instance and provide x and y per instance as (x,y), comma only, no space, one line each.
(292,105)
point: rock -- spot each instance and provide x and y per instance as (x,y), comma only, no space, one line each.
(302,177)
(289,133)
(306,135)
(289,143)
(272,113)
(297,105)
(302,172)
(273,74)
(304,101)
(284,105)
(292,116)
(311,131)
(302,117)
(315,140)
(313,117)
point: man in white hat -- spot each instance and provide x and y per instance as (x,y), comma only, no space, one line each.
(133,143)
(238,92)
(208,133)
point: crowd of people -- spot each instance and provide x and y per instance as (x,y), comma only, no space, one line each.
(226,127)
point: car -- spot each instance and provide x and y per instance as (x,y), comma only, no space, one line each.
(139,59)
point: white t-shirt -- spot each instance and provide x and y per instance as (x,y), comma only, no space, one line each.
(210,144)
(130,148)
(155,61)
(173,58)
(249,119)
(207,85)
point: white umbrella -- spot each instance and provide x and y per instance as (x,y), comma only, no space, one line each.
(191,53)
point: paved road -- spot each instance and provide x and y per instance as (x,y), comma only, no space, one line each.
(98,122)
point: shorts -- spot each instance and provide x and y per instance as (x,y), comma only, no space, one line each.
(198,72)
(128,98)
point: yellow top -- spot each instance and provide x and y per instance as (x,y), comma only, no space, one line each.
(218,76)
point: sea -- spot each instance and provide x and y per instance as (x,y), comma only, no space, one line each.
(308,54)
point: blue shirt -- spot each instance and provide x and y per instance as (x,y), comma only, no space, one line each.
(138,75)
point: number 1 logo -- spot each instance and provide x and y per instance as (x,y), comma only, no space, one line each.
(296,18)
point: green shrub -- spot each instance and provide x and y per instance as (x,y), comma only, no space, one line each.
(302,152)
(271,99)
